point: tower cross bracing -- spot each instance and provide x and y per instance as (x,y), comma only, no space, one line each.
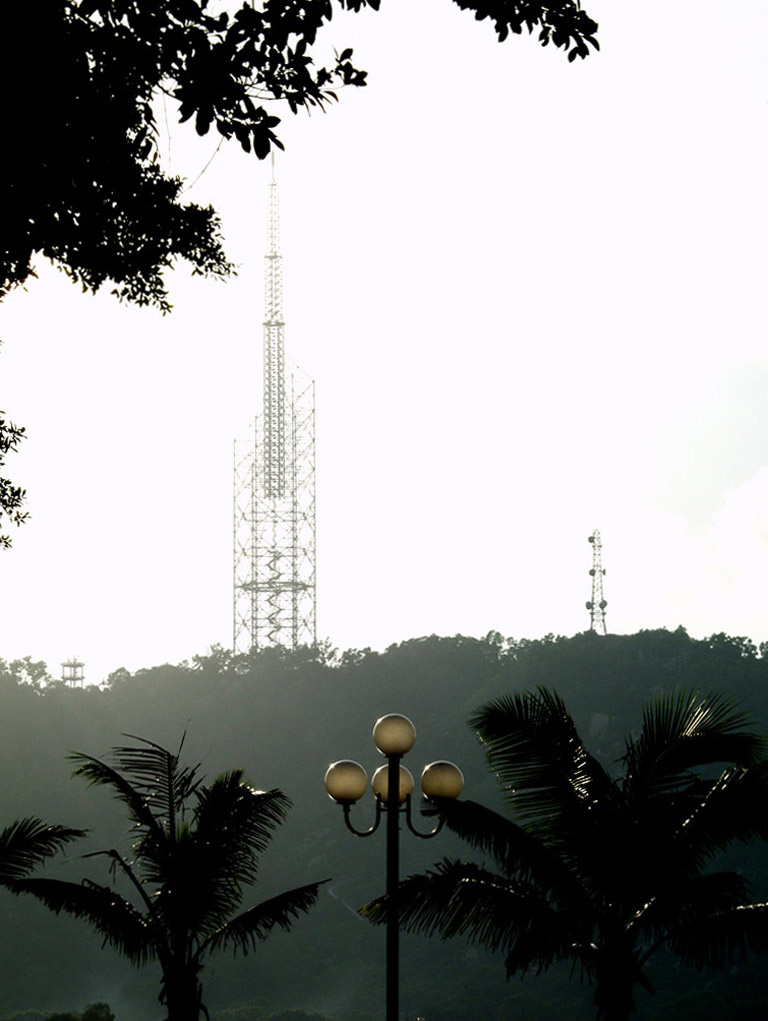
(274,488)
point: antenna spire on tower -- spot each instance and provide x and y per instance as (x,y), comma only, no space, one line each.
(274,354)
(597,604)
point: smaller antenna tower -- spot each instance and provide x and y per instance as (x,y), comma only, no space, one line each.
(73,672)
(597,604)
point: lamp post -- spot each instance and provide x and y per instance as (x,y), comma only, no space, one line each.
(346,781)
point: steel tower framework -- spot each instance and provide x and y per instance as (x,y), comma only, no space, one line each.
(597,603)
(274,487)
(73,672)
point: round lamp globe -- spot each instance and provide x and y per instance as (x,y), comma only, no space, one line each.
(394,734)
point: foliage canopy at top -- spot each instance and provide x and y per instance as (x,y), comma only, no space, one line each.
(80,178)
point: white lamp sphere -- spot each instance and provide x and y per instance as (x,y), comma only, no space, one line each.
(394,734)
(380,784)
(346,781)
(442,780)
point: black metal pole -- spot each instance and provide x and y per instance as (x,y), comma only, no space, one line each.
(393,878)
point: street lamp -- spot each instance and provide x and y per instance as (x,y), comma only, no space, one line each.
(346,781)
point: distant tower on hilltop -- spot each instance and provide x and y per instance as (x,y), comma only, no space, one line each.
(597,603)
(73,672)
(274,488)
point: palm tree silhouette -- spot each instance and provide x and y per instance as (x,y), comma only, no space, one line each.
(599,870)
(196,847)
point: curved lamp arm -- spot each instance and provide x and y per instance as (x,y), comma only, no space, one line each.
(347,808)
(412,828)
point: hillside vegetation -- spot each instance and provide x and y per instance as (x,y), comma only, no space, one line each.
(283,717)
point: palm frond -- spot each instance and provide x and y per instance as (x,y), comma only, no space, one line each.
(119,864)
(159,774)
(98,773)
(550,937)
(194,892)
(685,730)
(515,850)
(551,781)
(732,808)
(115,918)
(487,831)
(247,929)
(723,938)
(26,843)
(153,785)
(684,903)
(457,898)
(203,875)
(238,822)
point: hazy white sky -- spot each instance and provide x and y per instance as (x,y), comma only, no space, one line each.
(531,295)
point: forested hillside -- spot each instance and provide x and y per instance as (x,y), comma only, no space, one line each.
(283,717)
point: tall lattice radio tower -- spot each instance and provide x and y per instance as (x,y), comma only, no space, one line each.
(597,603)
(274,483)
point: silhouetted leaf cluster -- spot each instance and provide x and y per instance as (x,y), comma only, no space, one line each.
(11,496)
(81,180)
(565,25)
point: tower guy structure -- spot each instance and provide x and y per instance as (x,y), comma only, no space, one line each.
(274,487)
(597,604)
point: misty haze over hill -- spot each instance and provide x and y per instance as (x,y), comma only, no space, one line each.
(283,716)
